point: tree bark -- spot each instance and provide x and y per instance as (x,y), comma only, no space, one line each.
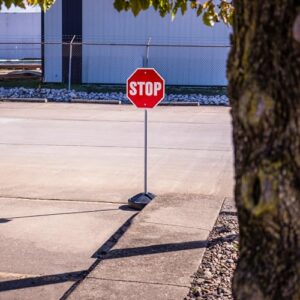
(264,88)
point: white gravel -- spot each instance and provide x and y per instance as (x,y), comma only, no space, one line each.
(61,95)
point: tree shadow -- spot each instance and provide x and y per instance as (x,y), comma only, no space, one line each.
(3,221)
(154,249)
(112,241)
(40,281)
(77,277)
(65,277)
(228,213)
(225,239)
(164,248)
(106,252)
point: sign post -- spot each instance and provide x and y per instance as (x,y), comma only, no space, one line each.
(146,154)
(145,89)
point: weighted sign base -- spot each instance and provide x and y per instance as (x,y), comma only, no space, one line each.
(139,201)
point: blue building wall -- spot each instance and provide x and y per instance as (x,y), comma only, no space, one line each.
(17,31)
(53,50)
(198,55)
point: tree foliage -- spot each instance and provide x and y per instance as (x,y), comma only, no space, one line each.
(44,4)
(212,11)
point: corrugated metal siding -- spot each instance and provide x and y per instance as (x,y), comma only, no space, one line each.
(53,34)
(190,66)
(112,64)
(179,65)
(20,28)
(105,64)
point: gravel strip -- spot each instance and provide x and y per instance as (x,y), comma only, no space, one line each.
(213,279)
(63,95)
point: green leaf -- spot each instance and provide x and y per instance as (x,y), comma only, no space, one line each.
(183,7)
(145,4)
(136,6)
(119,5)
(208,19)
(199,10)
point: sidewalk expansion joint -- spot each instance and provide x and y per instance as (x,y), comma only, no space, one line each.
(61,200)
(110,121)
(112,147)
(140,282)
(100,255)
(174,225)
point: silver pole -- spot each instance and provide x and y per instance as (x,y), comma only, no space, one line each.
(146,125)
(70,62)
(146,151)
(147,53)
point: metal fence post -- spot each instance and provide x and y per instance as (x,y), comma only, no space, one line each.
(70,63)
(146,63)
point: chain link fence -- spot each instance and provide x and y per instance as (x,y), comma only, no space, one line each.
(74,61)
(19,58)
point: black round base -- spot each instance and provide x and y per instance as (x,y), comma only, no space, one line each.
(139,201)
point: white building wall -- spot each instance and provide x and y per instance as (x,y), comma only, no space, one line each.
(179,65)
(53,46)
(20,28)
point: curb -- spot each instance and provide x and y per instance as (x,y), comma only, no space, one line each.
(179,104)
(85,101)
(30,100)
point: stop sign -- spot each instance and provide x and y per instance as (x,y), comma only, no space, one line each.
(145,88)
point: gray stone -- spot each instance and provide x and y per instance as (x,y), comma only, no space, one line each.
(65,95)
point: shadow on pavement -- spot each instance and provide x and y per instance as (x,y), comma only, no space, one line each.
(81,275)
(123,207)
(126,208)
(39,281)
(2,221)
(228,213)
(104,253)
(154,249)
(76,277)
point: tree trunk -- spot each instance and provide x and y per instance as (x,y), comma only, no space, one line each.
(264,88)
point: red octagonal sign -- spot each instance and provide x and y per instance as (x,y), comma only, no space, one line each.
(145,88)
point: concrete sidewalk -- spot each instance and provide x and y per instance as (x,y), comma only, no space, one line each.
(157,256)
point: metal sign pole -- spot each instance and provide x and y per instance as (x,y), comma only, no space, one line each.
(146,152)
(139,201)
(147,97)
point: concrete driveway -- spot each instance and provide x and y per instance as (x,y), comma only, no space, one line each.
(95,153)
(68,169)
